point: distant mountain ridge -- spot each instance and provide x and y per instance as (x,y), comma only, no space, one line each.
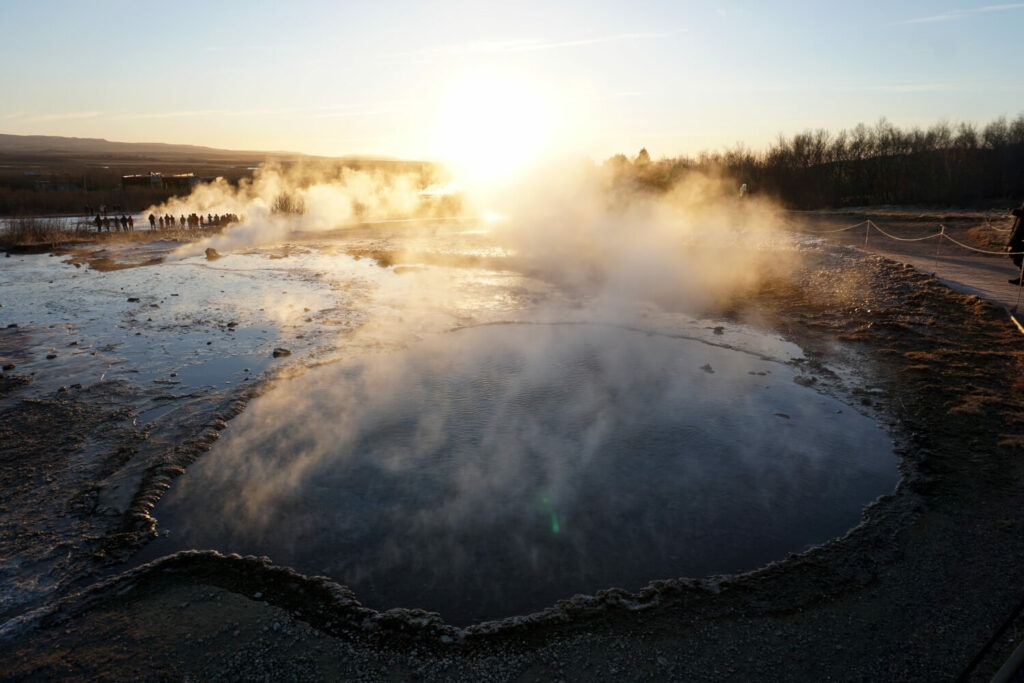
(58,146)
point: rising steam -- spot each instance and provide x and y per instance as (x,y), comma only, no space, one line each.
(577,245)
(573,224)
(308,197)
(691,247)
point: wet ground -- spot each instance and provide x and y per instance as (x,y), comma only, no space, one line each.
(926,587)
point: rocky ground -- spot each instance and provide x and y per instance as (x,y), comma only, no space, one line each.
(928,587)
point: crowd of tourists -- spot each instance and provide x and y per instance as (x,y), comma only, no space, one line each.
(192,221)
(125,223)
(120,223)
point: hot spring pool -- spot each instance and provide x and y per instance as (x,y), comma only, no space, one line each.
(494,470)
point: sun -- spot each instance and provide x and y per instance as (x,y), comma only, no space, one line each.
(491,126)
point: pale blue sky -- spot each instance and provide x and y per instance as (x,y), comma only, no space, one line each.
(376,77)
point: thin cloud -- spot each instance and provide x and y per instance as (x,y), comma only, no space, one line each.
(235,48)
(13,115)
(899,87)
(917,87)
(176,114)
(606,97)
(592,41)
(364,109)
(962,13)
(350,114)
(204,113)
(527,45)
(65,116)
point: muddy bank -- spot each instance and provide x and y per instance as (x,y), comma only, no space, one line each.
(79,474)
(927,588)
(112,382)
(74,238)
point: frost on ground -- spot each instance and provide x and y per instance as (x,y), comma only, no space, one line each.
(926,588)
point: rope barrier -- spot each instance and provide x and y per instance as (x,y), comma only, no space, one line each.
(938,245)
(982,251)
(988,222)
(940,235)
(903,239)
(831,232)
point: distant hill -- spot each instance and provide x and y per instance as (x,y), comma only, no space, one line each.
(48,175)
(52,145)
(56,147)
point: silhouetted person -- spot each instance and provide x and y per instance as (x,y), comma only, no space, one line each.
(99,223)
(152,222)
(182,220)
(1016,241)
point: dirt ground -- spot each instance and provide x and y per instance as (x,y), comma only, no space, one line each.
(929,587)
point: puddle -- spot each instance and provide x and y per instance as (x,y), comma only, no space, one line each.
(184,324)
(491,471)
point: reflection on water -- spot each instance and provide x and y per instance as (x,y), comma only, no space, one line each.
(492,471)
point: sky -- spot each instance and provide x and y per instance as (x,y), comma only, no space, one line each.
(448,79)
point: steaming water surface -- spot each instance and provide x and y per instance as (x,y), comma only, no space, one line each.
(491,471)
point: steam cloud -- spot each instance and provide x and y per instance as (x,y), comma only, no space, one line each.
(510,466)
(603,249)
(692,247)
(305,197)
(570,223)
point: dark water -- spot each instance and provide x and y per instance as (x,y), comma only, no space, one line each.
(494,470)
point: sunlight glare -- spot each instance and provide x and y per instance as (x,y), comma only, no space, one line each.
(492,126)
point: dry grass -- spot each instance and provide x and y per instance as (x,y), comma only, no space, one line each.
(53,231)
(986,237)
(31,230)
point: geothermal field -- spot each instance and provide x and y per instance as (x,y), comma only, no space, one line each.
(541,431)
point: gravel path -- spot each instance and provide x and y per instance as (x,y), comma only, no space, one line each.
(984,275)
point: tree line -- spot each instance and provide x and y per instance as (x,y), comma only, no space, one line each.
(958,164)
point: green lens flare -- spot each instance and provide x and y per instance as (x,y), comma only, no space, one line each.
(554,523)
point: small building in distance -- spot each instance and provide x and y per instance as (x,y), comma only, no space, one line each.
(179,182)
